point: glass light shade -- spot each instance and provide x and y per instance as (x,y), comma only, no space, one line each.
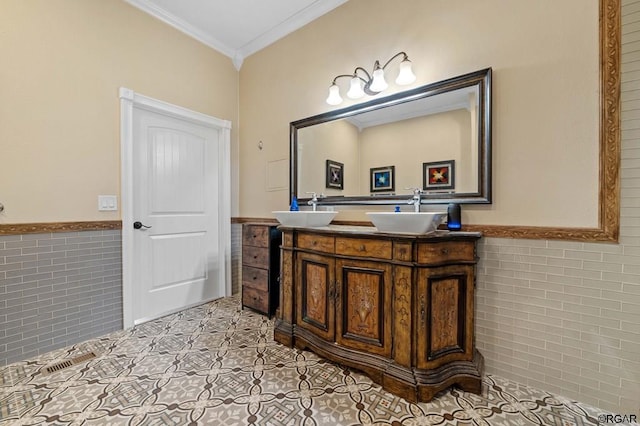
(355,90)
(405,76)
(334,97)
(378,84)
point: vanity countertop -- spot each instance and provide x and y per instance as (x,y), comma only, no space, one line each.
(372,231)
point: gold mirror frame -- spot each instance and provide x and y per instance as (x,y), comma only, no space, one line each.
(609,182)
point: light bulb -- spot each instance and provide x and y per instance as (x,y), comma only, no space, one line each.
(378,84)
(355,90)
(405,76)
(334,97)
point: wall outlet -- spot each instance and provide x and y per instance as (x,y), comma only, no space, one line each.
(107,203)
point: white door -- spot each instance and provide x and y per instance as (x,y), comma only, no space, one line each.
(178,247)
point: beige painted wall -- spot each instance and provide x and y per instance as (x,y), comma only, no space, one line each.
(404,144)
(62,64)
(409,143)
(545,94)
(336,141)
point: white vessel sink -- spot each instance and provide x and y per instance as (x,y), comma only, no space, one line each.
(408,222)
(305,218)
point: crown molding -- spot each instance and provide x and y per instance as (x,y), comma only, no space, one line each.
(182,26)
(296,21)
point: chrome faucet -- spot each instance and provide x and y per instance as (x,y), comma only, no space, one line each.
(416,199)
(313,202)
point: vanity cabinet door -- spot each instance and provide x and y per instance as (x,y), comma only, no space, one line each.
(315,286)
(363,306)
(444,306)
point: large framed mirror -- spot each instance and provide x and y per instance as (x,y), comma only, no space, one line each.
(435,137)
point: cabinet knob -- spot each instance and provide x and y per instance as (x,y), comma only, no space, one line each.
(363,248)
(445,251)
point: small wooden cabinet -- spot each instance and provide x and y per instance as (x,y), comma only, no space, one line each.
(398,307)
(260,267)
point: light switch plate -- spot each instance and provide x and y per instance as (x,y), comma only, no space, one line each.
(107,203)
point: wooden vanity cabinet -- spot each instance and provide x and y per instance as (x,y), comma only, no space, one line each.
(260,267)
(398,307)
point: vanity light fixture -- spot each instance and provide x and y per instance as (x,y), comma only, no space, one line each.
(373,83)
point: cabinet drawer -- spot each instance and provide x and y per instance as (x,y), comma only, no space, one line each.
(255,256)
(316,242)
(446,252)
(255,278)
(379,249)
(255,235)
(258,300)
(402,251)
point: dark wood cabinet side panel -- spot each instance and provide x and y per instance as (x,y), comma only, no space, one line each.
(286,287)
(402,315)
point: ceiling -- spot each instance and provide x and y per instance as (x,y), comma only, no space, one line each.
(236,28)
(434,104)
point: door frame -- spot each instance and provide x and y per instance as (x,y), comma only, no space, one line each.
(128,101)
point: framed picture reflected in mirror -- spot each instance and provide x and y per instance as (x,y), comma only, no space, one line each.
(335,175)
(382,179)
(439,175)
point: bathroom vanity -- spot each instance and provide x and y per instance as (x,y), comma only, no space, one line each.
(398,307)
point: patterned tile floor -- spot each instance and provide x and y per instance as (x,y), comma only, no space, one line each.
(216,364)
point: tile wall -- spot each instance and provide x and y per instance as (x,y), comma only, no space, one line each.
(62,288)
(58,289)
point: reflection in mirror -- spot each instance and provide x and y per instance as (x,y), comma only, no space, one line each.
(435,137)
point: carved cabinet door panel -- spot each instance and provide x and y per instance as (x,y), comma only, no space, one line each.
(444,315)
(363,305)
(315,278)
